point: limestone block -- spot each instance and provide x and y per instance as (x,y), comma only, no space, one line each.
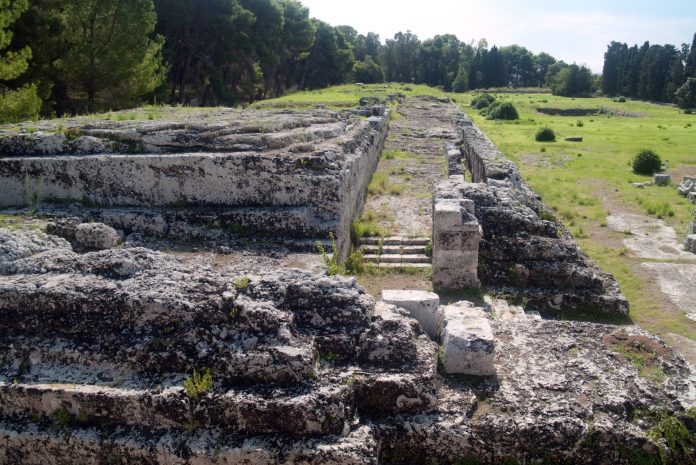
(445,278)
(662,179)
(454,240)
(467,340)
(686,186)
(95,236)
(690,243)
(422,305)
(447,214)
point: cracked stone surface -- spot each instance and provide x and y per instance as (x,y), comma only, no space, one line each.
(305,368)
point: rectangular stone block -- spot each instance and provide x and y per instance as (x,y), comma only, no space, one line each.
(467,340)
(457,240)
(466,259)
(454,278)
(447,214)
(422,305)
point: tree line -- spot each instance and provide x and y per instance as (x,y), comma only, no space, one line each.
(663,73)
(67,57)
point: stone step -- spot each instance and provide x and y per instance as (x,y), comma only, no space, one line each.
(30,443)
(397,258)
(393,249)
(395,240)
(303,411)
(401,265)
(59,359)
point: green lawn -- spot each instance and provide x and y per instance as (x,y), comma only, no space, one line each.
(344,96)
(582,180)
(572,176)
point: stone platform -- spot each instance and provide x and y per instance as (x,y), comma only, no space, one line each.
(98,352)
(300,174)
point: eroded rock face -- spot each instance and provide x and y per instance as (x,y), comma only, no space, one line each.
(95,236)
(523,251)
(95,348)
(564,392)
(302,172)
(104,340)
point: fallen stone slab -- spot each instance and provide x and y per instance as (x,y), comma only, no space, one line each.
(422,305)
(662,179)
(95,236)
(468,346)
(573,139)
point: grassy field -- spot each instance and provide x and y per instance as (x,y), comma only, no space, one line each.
(344,96)
(584,181)
(572,176)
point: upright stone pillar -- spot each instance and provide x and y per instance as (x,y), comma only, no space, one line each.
(456,237)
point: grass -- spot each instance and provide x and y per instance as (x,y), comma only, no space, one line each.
(345,96)
(199,384)
(610,141)
(574,178)
(367,225)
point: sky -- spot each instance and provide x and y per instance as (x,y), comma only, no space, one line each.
(577,31)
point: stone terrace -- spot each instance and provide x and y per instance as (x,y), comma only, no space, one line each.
(95,349)
(296,174)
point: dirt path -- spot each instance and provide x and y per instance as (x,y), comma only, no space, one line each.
(413,161)
(655,256)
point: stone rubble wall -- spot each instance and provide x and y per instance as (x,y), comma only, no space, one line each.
(301,173)
(524,251)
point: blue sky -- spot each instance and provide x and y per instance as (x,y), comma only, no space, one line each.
(572,31)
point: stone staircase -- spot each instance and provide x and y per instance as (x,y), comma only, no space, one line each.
(396,252)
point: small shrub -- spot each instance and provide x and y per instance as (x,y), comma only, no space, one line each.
(482,101)
(579,123)
(429,249)
(646,162)
(62,417)
(353,264)
(333,266)
(545,134)
(241,283)
(619,99)
(502,111)
(199,384)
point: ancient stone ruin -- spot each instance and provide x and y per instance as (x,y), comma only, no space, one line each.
(296,175)
(524,251)
(113,353)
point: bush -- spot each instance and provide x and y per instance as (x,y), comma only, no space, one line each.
(19,105)
(646,162)
(482,101)
(502,110)
(545,134)
(686,94)
(619,99)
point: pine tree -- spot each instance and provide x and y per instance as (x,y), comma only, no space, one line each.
(111,51)
(22,103)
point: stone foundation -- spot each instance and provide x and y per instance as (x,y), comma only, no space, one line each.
(98,350)
(294,173)
(524,251)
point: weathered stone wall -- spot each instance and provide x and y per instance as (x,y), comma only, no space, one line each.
(302,173)
(524,250)
(95,348)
